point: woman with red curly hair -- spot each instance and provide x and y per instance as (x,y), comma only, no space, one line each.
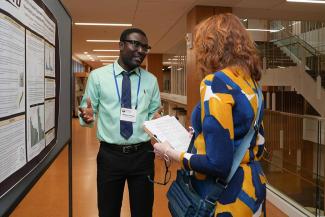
(229,60)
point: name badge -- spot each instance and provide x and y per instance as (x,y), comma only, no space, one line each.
(128,114)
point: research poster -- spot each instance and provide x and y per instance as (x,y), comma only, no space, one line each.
(49,60)
(12,62)
(27,86)
(49,88)
(12,146)
(49,114)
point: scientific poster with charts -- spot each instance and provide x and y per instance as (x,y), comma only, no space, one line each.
(49,88)
(35,130)
(12,149)
(27,87)
(49,60)
(12,62)
(12,96)
(49,120)
(35,94)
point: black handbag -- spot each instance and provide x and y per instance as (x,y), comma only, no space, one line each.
(183,201)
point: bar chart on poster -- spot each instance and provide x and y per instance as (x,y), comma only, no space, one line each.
(35,87)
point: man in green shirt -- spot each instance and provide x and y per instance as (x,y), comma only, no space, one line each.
(121,96)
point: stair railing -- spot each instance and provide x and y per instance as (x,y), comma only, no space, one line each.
(300,48)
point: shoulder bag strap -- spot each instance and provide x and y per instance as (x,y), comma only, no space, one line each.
(239,153)
(241,150)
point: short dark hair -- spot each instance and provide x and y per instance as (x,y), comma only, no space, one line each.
(127,32)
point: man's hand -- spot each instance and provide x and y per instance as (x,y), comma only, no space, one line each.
(87,114)
(157,114)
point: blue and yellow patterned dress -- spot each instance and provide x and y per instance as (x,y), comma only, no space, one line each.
(223,117)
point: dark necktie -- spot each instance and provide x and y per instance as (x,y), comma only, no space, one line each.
(126,128)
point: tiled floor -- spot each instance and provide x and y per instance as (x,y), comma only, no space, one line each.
(49,197)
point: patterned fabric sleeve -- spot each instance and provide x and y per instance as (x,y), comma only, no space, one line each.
(215,153)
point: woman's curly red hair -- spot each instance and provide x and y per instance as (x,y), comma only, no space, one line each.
(222,41)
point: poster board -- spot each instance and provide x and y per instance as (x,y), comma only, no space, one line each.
(35,96)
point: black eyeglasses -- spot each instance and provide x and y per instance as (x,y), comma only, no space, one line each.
(167,173)
(137,44)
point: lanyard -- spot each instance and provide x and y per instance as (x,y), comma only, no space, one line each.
(118,92)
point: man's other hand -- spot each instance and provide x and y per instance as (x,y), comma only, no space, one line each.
(87,114)
(158,113)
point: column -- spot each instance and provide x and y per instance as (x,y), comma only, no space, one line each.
(193,77)
(268,100)
(154,65)
(273,101)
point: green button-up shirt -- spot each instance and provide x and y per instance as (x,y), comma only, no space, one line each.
(101,89)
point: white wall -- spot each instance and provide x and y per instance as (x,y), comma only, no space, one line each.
(310,130)
(258,24)
(297,78)
(315,38)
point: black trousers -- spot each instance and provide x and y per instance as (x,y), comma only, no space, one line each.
(115,167)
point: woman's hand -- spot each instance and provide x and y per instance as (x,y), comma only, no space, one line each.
(165,149)
(190,131)
(161,148)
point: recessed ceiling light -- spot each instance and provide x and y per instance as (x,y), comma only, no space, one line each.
(103,24)
(307,1)
(107,56)
(294,23)
(264,30)
(106,50)
(85,52)
(107,60)
(95,40)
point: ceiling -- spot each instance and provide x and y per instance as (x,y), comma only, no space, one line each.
(164,21)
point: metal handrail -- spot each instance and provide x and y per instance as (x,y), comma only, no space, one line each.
(297,115)
(314,51)
(287,42)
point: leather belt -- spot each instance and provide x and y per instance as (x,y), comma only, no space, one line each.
(126,149)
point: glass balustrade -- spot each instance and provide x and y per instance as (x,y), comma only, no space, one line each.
(294,157)
(286,49)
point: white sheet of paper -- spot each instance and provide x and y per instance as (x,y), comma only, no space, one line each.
(167,128)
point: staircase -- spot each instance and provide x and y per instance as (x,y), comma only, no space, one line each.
(282,55)
(299,80)
(275,57)
(285,68)
(313,63)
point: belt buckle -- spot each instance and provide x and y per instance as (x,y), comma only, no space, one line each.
(137,147)
(127,149)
